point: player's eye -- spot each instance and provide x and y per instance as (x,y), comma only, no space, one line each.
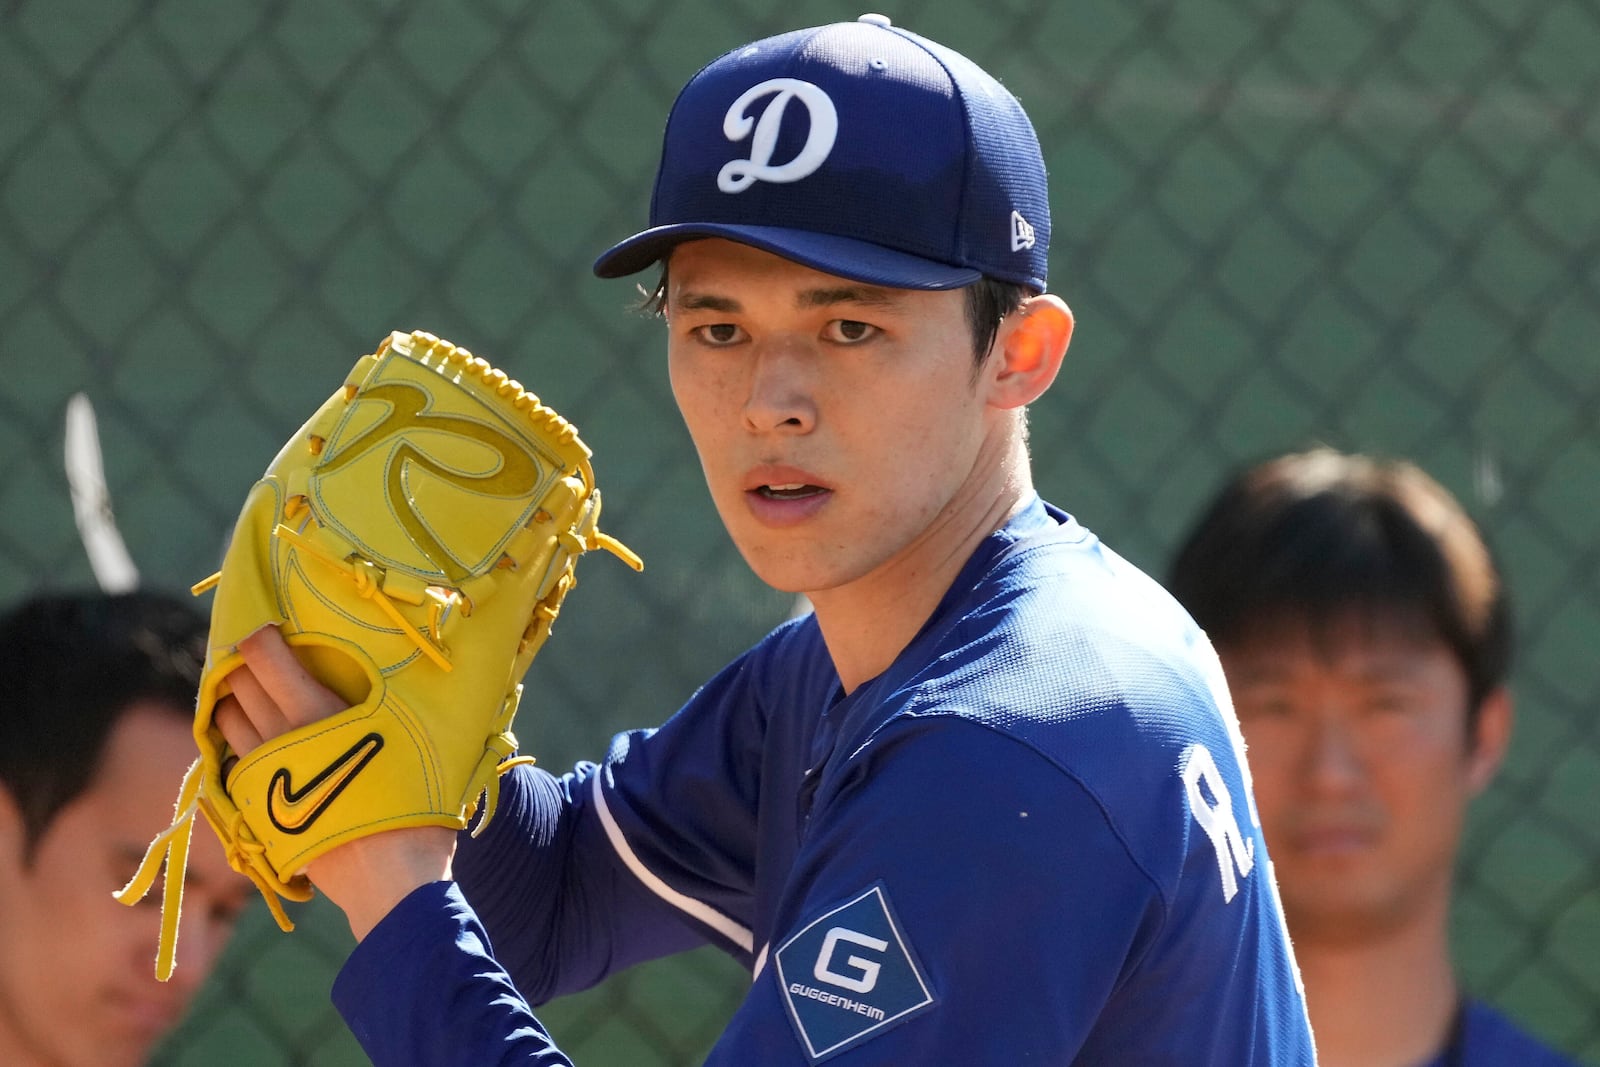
(849,331)
(719,334)
(1389,701)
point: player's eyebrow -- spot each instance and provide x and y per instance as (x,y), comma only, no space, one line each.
(864,295)
(869,295)
(692,301)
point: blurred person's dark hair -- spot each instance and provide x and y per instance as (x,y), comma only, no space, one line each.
(1323,539)
(73,663)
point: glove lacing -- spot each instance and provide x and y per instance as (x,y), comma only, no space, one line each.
(172,846)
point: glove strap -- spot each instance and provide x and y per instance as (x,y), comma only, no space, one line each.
(498,758)
(243,853)
(618,549)
(171,845)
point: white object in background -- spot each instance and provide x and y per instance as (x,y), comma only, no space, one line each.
(91,501)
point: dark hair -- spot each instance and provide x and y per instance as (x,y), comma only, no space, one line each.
(72,663)
(1320,536)
(988,302)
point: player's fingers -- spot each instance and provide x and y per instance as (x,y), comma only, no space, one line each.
(235,725)
(299,696)
(263,714)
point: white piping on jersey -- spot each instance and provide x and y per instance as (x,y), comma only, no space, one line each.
(695,909)
(761,961)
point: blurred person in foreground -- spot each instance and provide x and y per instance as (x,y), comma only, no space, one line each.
(1365,633)
(94,727)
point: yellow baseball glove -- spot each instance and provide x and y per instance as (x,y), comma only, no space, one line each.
(413,542)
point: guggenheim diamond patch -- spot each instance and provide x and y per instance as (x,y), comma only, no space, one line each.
(849,976)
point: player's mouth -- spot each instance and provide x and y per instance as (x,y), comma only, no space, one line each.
(784,496)
(792,491)
(148,1016)
(1334,840)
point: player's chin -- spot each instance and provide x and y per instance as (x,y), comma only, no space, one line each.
(795,569)
(777,576)
(111,1046)
(132,1027)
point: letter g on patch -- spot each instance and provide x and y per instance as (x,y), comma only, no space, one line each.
(867,969)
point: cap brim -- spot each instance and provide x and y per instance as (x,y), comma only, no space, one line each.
(845,257)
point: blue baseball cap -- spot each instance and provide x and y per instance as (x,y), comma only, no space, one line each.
(858,149)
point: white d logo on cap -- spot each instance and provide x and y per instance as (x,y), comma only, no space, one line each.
(739,174)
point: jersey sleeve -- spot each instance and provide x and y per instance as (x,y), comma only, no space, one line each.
(559,906)
(423,990)
(650,852)
(962,901)
(943,918)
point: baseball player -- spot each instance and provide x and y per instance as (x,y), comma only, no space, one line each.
(1366,634)
(94,726)
(986,804)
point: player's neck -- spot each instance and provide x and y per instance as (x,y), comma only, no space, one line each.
(868,622)
(1385,1001)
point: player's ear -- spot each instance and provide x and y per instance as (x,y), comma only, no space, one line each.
(1491,736)
(1032,343)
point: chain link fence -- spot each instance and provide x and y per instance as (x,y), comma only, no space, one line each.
(1371,223)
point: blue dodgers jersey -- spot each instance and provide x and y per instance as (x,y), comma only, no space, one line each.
(1031,840)
(1032,836)
(1485,1038)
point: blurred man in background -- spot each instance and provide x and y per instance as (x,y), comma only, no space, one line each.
(94,728)
(1365,634)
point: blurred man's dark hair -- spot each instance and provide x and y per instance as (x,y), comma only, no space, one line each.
(1322,539)
(73,663)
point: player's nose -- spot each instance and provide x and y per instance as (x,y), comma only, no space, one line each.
(778,392)
(1331,759)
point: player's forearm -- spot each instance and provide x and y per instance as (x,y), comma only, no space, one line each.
(367,877)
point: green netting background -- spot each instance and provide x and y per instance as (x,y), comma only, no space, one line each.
(1372,223)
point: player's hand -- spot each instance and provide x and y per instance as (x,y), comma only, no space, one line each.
(273,694)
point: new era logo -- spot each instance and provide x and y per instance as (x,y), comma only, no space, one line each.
(1021,233)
